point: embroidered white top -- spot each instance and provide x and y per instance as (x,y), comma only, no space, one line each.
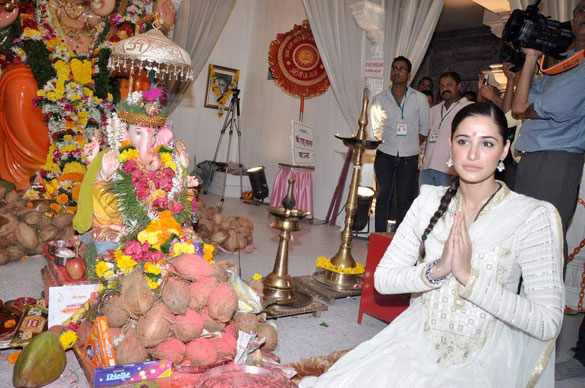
(481,335)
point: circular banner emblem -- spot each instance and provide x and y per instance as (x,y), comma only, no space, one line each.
(295,62)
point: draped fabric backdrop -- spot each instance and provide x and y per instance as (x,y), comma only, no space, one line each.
(408,28)
(561,10)
(198,25)
(340,41)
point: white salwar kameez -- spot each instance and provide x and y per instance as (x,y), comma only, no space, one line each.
(484,334)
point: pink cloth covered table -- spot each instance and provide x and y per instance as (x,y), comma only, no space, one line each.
(303,188)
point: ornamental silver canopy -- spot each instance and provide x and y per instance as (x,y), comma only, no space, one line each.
(151,51)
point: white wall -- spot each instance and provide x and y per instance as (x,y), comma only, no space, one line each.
(266,109)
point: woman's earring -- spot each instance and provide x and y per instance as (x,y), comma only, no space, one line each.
(501,166)
(450,160)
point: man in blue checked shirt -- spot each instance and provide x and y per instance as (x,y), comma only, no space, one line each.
(553,141)
(400,116)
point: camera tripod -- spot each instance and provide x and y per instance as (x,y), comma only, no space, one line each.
(232,121)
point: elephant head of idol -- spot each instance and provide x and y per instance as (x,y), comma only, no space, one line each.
(145,114)
(8,12)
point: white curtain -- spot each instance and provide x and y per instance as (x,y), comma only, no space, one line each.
(408,28)
(561,10)
(339,40)
(197,27)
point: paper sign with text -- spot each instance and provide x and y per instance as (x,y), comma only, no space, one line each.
(374,68)
(302,144)
(65,300)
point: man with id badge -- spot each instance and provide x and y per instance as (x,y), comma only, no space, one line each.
(438,166)
(399,116)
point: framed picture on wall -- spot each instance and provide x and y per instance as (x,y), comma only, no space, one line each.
(226,79)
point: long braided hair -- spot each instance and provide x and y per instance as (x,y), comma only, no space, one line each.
(477,109)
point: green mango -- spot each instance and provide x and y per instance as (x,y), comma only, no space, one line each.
(41,362)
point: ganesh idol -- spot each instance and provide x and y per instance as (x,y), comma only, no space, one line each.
(68,30)
(142,173)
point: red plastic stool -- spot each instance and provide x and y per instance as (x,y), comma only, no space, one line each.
(384,307)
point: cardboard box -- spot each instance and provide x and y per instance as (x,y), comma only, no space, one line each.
(99,350)
(132,373)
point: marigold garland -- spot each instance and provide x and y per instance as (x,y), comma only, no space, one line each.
(325,263)
(221,101)
(76,93)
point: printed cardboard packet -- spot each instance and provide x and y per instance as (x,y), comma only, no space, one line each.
(32,324)
(132,373)
(99,350)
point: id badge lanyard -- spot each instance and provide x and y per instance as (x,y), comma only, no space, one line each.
(435,134)
(401,127)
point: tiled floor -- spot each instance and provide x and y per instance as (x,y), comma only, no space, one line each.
(299,336)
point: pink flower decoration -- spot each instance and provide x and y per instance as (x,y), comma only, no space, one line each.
(152,94)
(175,207)
(160,203)
(153,256)
(194,204)
(130,166)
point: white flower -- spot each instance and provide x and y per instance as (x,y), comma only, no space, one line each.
(135,98)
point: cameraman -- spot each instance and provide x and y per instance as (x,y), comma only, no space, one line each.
(553,142)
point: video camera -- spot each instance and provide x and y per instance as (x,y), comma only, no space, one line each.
(533,30)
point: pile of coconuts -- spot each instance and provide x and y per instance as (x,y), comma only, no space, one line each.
(189,321)
(230,233)
(24,230)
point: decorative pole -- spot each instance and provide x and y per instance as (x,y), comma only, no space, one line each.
(343,272)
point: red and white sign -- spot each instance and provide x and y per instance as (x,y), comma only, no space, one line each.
(374,68)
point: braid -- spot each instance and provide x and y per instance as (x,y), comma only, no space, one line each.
(445,200)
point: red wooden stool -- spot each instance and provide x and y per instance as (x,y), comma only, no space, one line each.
(384,307)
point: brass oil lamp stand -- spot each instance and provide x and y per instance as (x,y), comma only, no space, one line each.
(343,258)
(279,286)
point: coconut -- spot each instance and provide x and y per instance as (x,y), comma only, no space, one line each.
(32,218)
(114,310)
(8,224)
(222,303)
(7,241)
(243,221)
(246,322)
(26,236)
(136,294)
(130,351)
(265,330)
(219,237)
(241,241)
(47,233)
(231,243)
(211,325)
(175,295)
(187,327)
(217,219)
(172,349)
(226,345)
(4,256)
(11,197)
(83,332)
(154,326)
(192,267)
(15,252)
(202,351)
(199,292)
(63,220)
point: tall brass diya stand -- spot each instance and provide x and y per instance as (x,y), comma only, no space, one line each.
(280,290)
(343,259)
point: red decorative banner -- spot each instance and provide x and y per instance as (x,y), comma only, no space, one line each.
(295,62)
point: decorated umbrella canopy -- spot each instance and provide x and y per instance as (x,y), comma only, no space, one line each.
(153,52)
(296,65)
